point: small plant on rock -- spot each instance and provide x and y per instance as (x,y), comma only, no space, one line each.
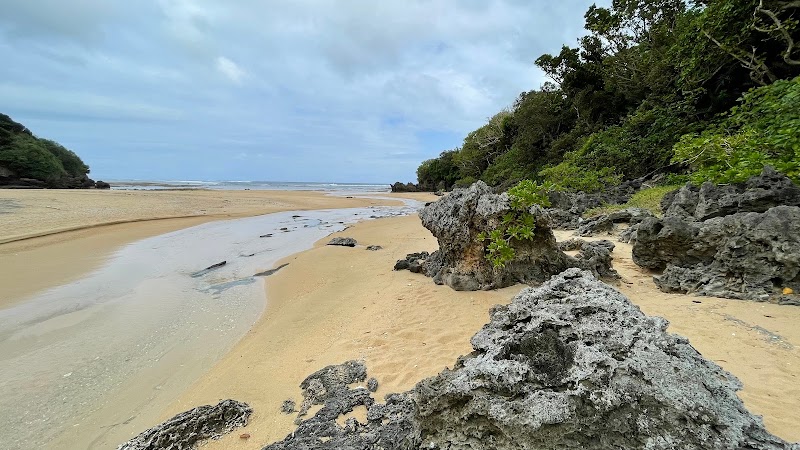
(517,224)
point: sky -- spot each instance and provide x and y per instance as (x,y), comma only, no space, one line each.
(270,90)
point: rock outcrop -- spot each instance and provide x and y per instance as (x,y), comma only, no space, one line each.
(571,364)
(567,208)
(458,219)
(401,187)
(187,429)
(745,255)
(737,241)
(606,223)
(413,262)
(758,194)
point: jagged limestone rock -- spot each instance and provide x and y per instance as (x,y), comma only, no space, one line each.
(745,256)
(458,219)
(187,429)
(758,194)
(605,223)
(571,364)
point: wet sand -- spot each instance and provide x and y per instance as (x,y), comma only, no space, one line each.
(33,224)
(47,314)
(331,305)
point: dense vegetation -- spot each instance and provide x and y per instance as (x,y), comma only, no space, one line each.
(26,156)
(708,87)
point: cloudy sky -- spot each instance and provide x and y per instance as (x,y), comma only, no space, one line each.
(284,90)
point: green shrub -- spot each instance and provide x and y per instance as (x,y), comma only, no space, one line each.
(763,129)
(465,182)
(569,176)
(29,159)
(516,225)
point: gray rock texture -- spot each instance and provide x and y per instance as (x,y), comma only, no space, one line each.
(758,194)
(343,241)
(569,365)
(744,256)
(567,208)
(187,429)
(456,221)
(606,223)
(737,241)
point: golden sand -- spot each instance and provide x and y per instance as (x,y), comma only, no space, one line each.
(333,304)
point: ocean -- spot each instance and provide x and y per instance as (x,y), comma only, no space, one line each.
(248,185)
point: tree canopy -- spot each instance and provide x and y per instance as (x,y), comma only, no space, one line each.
(27,156)
(655,86)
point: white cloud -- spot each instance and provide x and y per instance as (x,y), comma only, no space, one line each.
(318,82)
(230,69)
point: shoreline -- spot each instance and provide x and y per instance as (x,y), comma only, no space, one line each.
(64,254)
(331,305)
(70,319)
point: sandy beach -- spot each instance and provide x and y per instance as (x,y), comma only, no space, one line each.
(66,233)
(334,304)
(82,309)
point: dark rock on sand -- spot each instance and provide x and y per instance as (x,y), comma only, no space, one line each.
(343,241)
(187,429)
(288,406)
(413,262)
(269,272)
(101,185)
(372,385)
(374,248)
(744,255)
(606,223)
(571,364)
(458,219)
(330,386)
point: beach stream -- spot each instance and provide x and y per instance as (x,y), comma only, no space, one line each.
(94,362)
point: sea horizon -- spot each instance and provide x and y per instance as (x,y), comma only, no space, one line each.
(133,184)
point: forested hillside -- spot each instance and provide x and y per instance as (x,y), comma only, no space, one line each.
(28,161)
(701,90)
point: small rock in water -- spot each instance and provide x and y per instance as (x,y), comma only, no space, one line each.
(266,235)
(343,241)
(374,247)
(288,406)
(216,266)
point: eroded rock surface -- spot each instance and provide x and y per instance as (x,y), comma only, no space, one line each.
(567,208)
(758,194)
(571,364)
(737,241)
(606,223)
(187,429)
(458,219)
(744,256)
(343,241)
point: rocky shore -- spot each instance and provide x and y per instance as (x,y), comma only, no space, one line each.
(573,363)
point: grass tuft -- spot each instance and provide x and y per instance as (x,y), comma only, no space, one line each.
(649,199)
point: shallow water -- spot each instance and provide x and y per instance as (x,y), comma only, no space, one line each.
(90,363)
